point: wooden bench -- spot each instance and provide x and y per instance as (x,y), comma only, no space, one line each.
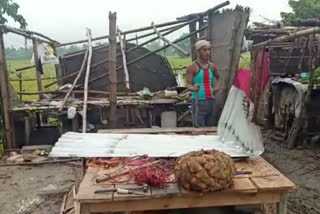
(265,184)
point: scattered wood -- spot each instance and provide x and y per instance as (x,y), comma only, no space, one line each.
(301,33)
(85,99)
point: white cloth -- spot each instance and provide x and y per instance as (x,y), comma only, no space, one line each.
(202,43)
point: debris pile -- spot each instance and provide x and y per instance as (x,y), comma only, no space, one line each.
(31,154)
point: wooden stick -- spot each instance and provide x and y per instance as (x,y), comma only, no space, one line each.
(82,41)
(85,58)
(124,61)
(158,26)
(152,33)
(9,140)
(40,163)
(48,78)
(93,92)
(217,7)
(125,172)
(112,67)
(85,99)
(184,52)
(20,84)
(25,68)
(20,32)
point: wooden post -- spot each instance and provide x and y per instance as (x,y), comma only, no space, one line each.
(57,68)
(20,85)
(112,67)
(193,40)
(36,57)
(282,205)
(10,141)
(85,96)
(27,130)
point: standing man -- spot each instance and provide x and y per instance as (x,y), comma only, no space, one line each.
(202,76)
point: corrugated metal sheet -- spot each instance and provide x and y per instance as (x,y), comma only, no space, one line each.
(238,138)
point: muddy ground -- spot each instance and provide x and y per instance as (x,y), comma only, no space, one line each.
(39,189)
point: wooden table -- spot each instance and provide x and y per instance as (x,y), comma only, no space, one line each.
(264,185)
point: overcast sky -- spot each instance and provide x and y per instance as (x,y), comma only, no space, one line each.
(66,20)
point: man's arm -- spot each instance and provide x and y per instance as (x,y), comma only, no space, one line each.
(216,76)
(189,79)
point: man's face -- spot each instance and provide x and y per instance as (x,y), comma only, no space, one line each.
(204,53)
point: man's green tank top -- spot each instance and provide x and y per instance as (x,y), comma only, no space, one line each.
(204,78)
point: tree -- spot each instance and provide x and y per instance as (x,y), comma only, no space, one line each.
(8,8)
(302,9)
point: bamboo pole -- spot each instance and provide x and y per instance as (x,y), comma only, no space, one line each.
(124,60)
(85,99)
(82,41)
(184,52)
(36,57)
(20,32)
(20,85)
(9,137)
(157,26)
(112,67)
(85,58)
(217,7)
(25,68)
(92,92)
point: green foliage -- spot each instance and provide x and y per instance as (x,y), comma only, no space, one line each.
(8,8)
(302,9)
(245,60)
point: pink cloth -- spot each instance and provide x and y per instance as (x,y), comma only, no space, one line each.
(243,80)
(262,66)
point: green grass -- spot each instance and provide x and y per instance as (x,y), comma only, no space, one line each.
(29,86)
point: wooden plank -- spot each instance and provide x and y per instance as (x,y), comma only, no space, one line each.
(172,189)
(207,200)
(158,130)
(264,175)
(9,140)
(88,187)
(113,67)
(127,197)
(273,183)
